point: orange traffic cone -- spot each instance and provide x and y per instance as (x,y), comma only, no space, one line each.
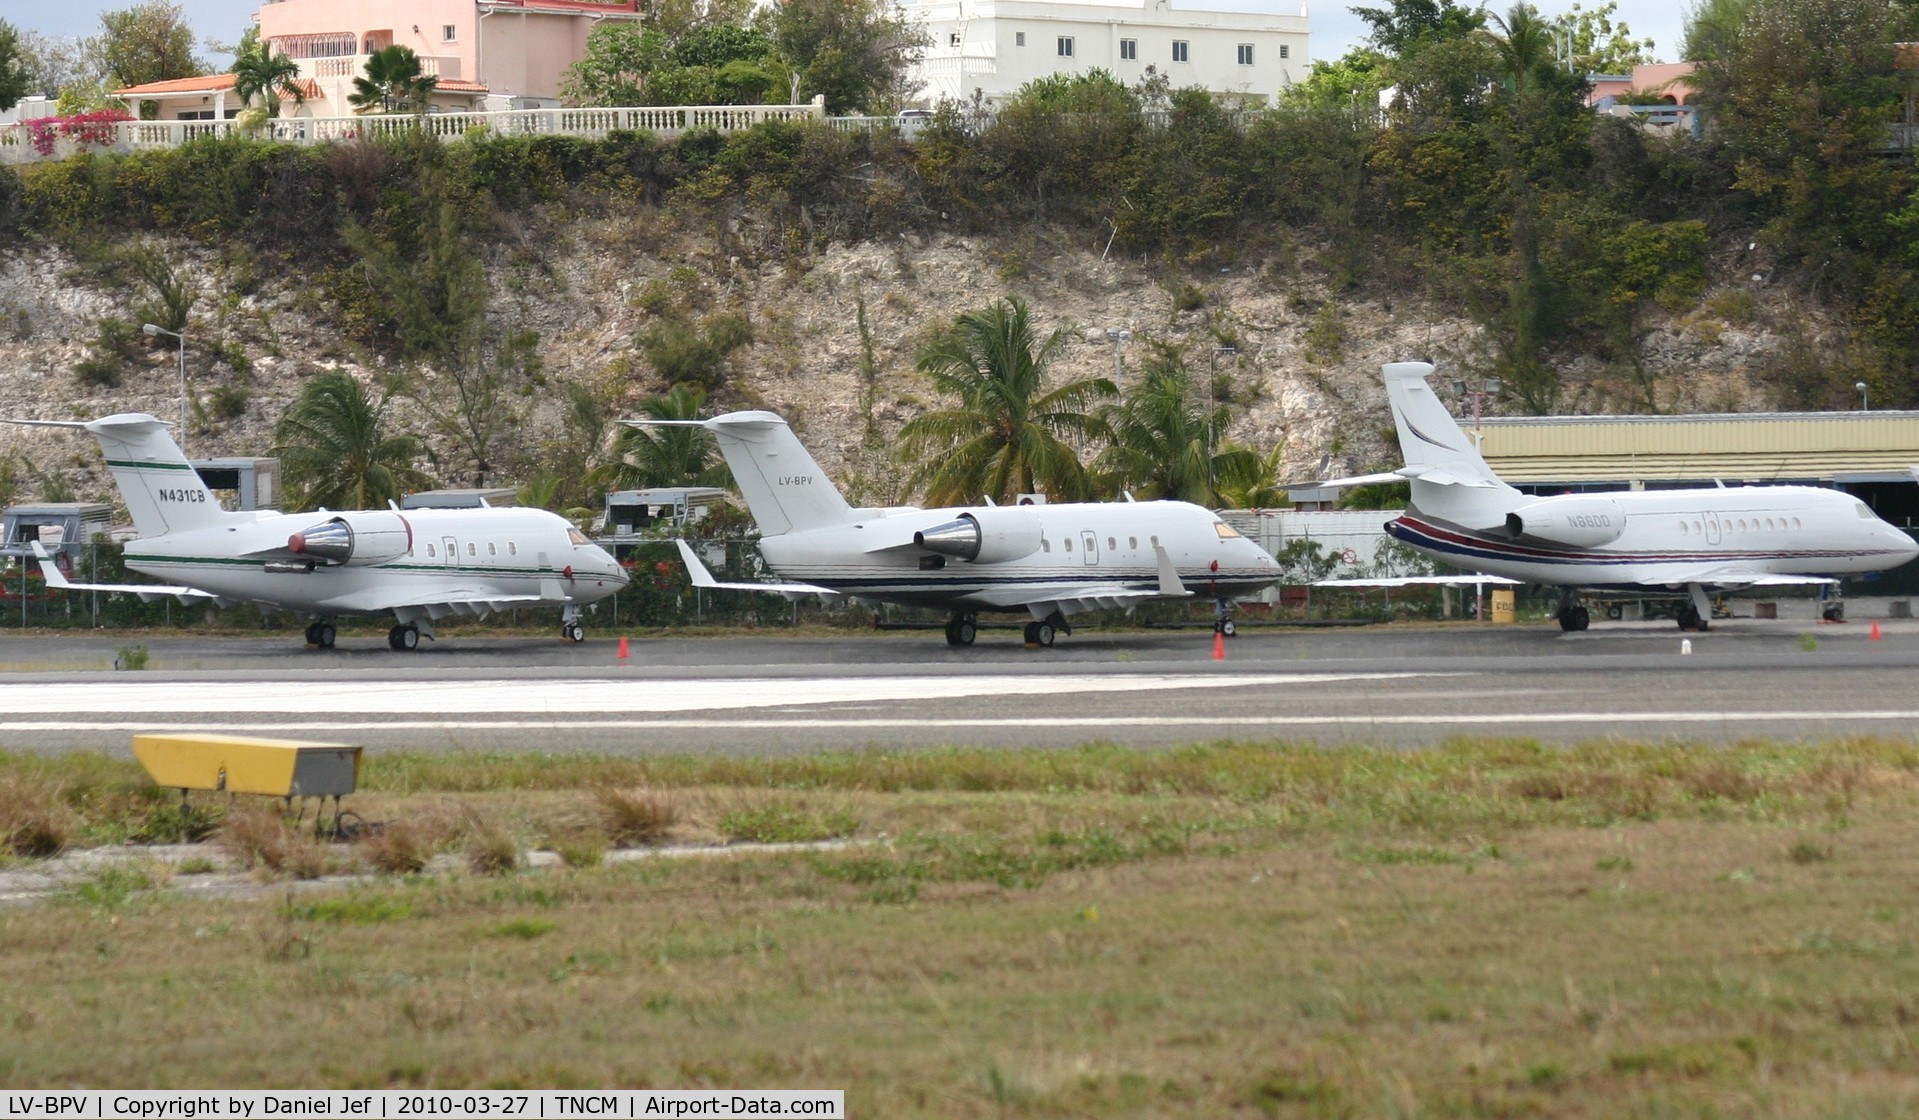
(622,647)
(1875,633)
(1219,646)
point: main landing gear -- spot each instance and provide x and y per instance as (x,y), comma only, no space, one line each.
(1573,617)
(570,627)
(1696,610)
(961,629)
(404,637)
(1042,632)
(320,633)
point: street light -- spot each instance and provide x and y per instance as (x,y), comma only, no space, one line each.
(1861,386)
(152,329)
(1118,336)
(1489,386)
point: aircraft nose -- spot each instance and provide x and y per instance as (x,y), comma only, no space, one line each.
(1905,545)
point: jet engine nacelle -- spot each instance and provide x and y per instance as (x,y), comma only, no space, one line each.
(1577,519)
(988,536)
(355,539)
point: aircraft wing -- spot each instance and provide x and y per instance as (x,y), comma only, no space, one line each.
(455,600)
(696,571)
(1471,580)
(147,592)
(1729,576)
(1090,596)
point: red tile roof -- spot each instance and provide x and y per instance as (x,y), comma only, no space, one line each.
(208,83)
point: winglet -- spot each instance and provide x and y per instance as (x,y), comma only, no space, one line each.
(695,570)
(1169,582)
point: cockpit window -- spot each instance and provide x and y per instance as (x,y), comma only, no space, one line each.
(1226,532)
(1860,508)
(577,537)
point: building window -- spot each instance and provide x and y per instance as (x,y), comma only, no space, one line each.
(1179,50)
(953,40)
(1129,49)
(1019,38)
(1066,46)
(1245,54)
(449,33)
(1285,51)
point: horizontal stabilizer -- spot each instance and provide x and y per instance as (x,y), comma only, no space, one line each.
(703,579)
(146,591)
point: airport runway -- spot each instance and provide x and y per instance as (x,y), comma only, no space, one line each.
(1398,685)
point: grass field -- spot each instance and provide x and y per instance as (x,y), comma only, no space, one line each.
(1483,929)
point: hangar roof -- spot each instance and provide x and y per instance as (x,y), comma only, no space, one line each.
(1751,446)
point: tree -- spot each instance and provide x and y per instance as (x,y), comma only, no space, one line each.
(1164,440)
(1244,479)
(1712,28)
(334,447)
(855,53)
(673,456)
(150,42)
(1599,46)
(620,55)
(1008,434)
(55,64)
(260,73)
(1408,25)
(16,70)
(393,83)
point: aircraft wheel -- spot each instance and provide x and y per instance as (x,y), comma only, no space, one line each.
(1615,611)
(1032,633)
(1581,618)
(403,637)
(1689,618)
(1043,634)
(313,633)
(323,635)
(1227,628)
(964,631)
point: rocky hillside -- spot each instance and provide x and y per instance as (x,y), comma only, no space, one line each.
(1303,364)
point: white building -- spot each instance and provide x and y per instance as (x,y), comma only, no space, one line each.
(1251,48)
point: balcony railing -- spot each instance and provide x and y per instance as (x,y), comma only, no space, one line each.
(669,120)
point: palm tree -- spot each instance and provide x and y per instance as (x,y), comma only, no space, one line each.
(333,446)
(668,456)
(1243,479)
(1525,45)
(258,72)
(392,83)
(1164,442)
(1008,435)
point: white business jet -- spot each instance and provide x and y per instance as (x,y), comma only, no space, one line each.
(422,565)
(1678,544)
(1046,561)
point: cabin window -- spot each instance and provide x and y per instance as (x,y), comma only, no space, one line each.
(1155,539)
(512,549)
(1795,524)
(492,549)
(1111,544)
(1132,542)
(1682,528)
(429,550)
(1067,544)
(1045,545)
(1768,524)
(472,549)
(1695,527)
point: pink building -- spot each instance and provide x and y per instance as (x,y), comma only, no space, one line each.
(1667,80)
(487,54)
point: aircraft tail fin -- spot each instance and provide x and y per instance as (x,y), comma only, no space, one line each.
(1429,437)
(784,488)
(163,493)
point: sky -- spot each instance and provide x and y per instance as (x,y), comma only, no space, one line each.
(1335,29)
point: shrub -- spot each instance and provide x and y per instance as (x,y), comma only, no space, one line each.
(635,818)
(33,820)
(405,846)
(490,848)
(257,836)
